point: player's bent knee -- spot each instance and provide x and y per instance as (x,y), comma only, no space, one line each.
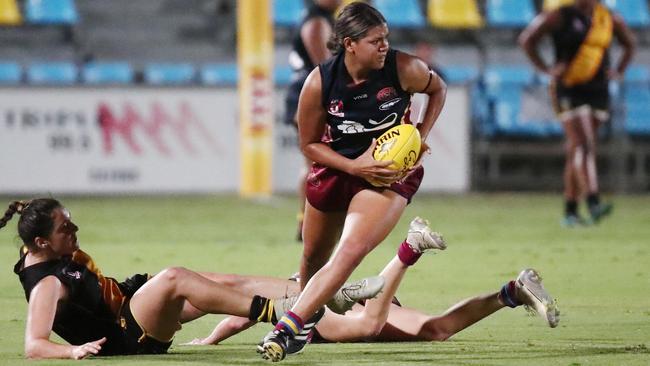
(373,328)
(172,275)
(352,253)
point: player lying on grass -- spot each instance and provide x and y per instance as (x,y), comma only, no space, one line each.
(384,319)
(98,315)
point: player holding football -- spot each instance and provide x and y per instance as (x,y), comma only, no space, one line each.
(355,96)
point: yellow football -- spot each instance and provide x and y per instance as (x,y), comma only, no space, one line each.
(401,145)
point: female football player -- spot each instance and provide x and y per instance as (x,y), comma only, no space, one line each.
(97,315)
(580,77)
(356,95)
(384,320)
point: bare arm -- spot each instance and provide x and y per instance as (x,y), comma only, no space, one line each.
(529,39)
(226,328)
(627,40)
(311,125)
(415,77)
(315,33)
(40,318)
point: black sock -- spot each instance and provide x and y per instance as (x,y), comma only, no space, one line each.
(571,208)
(593,199)
(262,310)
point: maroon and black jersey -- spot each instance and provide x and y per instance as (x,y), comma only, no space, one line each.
(357,113)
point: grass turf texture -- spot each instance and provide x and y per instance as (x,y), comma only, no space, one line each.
(600,275)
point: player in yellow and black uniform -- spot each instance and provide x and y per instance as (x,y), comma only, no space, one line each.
(97,306)
(582,34)
(97,315)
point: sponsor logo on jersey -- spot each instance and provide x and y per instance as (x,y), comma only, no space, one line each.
(75,274)
(387,105)
(352,127)
(336,108)
(359,97)
(386,93)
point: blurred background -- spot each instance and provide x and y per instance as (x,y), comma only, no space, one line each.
(141,96)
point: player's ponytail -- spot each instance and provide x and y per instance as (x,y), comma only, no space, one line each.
(35,218)
(15,207)
(354,21)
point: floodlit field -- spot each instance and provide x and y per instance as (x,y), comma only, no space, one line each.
(600,275)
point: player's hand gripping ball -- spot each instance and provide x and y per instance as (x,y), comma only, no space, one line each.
(401,145)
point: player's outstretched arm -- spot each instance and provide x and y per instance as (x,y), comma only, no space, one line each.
(226,328)
(41,310)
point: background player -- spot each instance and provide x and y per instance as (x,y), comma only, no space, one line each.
(581,34)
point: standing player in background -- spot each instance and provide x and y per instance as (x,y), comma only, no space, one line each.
(580,76)
(309,49)
(355,96)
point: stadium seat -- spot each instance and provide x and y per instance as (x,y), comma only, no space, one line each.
(636,100)
(401,13)
(504,88)
(510,13)
(552,4)
(461,14)
(169,73)
(107,73)
(9,13)
(634,12)
(219,74)
(282,75)
(10,72)
(52,73)
(288,13)
(51,12)
(459,74)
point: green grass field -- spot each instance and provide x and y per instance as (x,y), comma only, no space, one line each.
(600,275)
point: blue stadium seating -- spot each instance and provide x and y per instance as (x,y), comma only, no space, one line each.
(635,12)
(509,13)
(51,12)
(282,75)
(288,13)
(636,100)
(219,74)
(401,13)
(169,73)
(459,74)
(228,75)
(52,73)
(10,73)
(107,73)
(504,87)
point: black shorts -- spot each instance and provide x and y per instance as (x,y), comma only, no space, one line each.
(136,341)
(293,96)
(568,99)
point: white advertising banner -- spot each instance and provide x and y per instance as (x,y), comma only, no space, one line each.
(142,140)
(117,140)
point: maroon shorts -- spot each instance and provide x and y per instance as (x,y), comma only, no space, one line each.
(332,190)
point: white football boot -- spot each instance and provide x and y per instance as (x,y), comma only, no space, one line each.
(421,238)
(535,298)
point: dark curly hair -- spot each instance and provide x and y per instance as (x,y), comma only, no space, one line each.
(35,218)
